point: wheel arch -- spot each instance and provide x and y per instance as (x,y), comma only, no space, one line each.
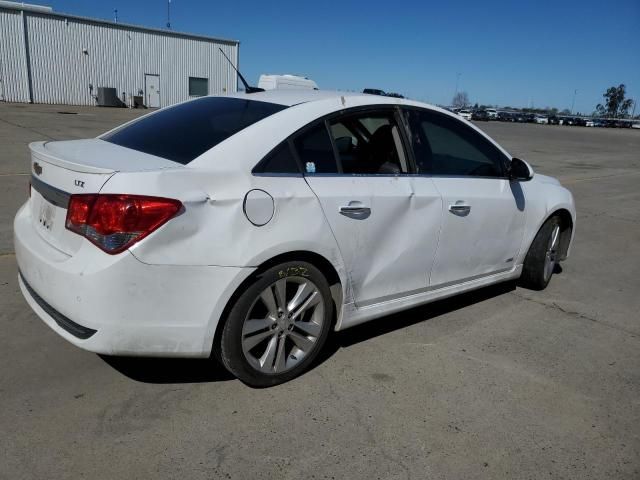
(566,225)
(325,266)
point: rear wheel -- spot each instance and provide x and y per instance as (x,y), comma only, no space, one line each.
(542,258)
(278,325)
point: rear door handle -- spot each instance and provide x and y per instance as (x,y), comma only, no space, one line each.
(460,209)
(355,210)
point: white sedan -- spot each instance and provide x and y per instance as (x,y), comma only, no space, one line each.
(249,226)
(466,114)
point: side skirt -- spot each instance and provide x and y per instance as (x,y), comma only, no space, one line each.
(352,316)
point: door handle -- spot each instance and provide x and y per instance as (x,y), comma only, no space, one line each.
(355,210)
(460,209)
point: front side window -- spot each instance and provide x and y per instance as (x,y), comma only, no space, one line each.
(185,131)
(198,87)
(445,146)
(369,143)
(315,150)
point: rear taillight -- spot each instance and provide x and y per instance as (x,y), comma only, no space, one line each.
(115,222)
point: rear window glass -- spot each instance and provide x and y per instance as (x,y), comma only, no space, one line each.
(184,132)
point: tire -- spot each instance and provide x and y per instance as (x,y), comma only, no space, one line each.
(542,256)
(266,341)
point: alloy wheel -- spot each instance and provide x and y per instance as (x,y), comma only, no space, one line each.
(551,255)
(283,324)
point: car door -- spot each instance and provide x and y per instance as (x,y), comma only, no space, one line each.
(483,213)
(356,163)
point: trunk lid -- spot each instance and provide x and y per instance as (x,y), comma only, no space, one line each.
(60,169)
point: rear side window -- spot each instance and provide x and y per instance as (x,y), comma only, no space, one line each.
(369,143)
(280,160)
(315,151)
(184,132)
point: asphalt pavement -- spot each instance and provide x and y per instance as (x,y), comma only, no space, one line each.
(501,383)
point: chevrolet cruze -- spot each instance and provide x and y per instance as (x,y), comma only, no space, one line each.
(250,226)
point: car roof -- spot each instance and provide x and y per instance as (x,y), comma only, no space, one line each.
(290,97)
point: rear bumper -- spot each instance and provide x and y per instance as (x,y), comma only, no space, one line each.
(120,305)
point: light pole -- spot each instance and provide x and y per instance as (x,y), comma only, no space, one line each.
(457,81)
(169,14)
(573,102)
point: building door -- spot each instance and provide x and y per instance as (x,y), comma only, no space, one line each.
(152,90)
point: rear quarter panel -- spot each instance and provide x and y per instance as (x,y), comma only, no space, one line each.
(213,229)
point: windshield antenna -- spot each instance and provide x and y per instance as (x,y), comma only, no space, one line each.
(247,87)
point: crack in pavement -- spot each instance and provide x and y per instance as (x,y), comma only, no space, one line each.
(27,128)
(576,314)
(605,214)
(570,181)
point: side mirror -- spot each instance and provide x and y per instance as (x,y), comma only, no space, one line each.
(519,170)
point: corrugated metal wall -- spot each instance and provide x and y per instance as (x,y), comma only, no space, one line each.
(69,54)
(14,85)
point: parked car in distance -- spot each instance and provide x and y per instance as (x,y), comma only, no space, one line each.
(374,91)
(492,113)
(519,117)
(279,82)
(480,115)
(251,226)
(555,120)
(505,117)
(464,113)
(541,119)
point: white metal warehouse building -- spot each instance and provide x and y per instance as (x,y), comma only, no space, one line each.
(50,57)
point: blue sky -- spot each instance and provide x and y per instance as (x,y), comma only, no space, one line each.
(517,53)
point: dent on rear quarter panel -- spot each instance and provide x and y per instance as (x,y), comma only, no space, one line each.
(213,229)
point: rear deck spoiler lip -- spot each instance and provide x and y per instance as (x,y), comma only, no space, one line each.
(39,150)
(101,157)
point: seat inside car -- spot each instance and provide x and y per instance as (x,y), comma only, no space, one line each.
(382,152)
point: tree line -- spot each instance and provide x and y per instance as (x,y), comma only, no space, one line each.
(615,105)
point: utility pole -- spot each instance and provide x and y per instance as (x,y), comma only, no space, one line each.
(115,14)
(169,14)
(573,102)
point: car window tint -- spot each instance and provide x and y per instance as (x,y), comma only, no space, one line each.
(280,160)
(185,131)
(315,151)
(445,146)
(369,144)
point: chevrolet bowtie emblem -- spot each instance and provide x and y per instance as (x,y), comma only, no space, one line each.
(37,168)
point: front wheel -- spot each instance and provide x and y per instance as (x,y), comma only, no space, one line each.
(278,325)
(542,258)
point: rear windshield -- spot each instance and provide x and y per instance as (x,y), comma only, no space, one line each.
(186,131)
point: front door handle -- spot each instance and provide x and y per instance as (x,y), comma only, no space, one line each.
(355,210)
(461,209)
